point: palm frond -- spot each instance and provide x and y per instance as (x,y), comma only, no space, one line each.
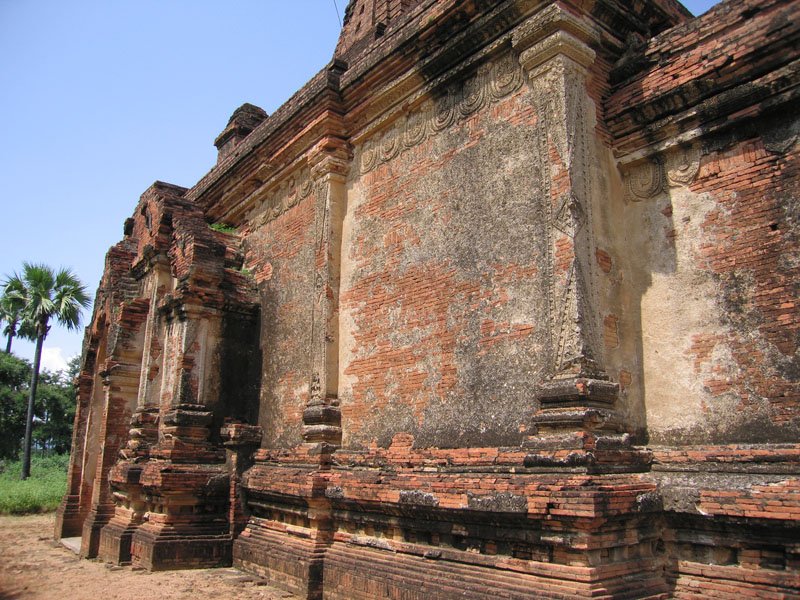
(40,294)
(26,331)
(13,297)
(12,302)
(70,299)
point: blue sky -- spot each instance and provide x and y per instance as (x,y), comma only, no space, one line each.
(98,99)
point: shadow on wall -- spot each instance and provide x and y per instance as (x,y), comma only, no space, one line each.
(240,370)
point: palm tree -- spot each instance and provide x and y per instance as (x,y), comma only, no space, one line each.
(46,295)
(10,308)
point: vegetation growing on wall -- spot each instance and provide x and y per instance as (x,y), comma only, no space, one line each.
(222,227)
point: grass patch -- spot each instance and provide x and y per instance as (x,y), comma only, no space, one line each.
(41,492)
(222,227)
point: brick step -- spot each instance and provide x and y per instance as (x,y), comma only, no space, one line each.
(456,577)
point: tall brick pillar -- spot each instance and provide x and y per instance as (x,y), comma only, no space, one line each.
(106,388)
(291,524)
(321,419)
(184,483)
(124,477)
(577,425)
(577,401)
(69,516)
(121,373)
(240,441)
(121,383)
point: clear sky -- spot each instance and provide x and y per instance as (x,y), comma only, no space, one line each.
(98,99)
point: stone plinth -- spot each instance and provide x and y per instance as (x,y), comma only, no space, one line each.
(185,523)
(290,523)
(386,523)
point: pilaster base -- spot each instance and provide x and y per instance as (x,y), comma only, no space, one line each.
(68,518)
(289,561)
(362,572)
(115,541)
(578,393)
(240,441)
(115,538)
(158,549)
(578,429)
(95,521)
(381,529)
(186,524)
(290,526)
(586,452)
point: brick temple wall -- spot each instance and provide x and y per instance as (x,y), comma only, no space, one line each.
(712,289)
(506,306)
(442,279)
(280,256)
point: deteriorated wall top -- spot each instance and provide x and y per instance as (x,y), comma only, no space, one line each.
(422,39)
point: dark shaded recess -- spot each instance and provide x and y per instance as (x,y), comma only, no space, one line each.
(715,98)
(750,428)
(240,367)
(698,536)
(644,17)
(632,61)
(776,129)
(433,49)
(512,532)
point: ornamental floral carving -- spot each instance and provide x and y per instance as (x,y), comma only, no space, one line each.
(682,166)
(415,130)
(649,178)
(390,144)
(285,196)
(443,113)
(473,95)
(645,181)
(506,77)
(491,82)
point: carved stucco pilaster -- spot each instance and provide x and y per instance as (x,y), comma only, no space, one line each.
(189,333)
(554,51)
(556,62)
(154,284)
(322,418)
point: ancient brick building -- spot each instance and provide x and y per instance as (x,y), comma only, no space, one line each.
(505,307)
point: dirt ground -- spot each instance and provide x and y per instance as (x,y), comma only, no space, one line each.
(33,566)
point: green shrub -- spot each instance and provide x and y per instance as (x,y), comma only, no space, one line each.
(41,492)
(222,227)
